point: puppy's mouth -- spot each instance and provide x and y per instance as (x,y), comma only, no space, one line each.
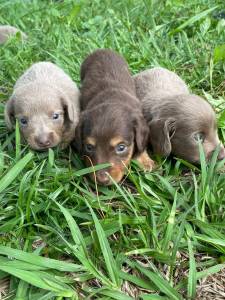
(42,148)
(110,175)
(43,142)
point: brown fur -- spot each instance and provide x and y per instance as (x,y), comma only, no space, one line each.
(176,117)
(110,112)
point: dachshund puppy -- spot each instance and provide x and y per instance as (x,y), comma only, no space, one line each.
(177,119)
(112,128)
(6,31)
(45,101)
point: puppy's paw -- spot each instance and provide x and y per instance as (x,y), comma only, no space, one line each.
(146,162)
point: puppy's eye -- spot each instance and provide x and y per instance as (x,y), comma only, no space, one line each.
(89,148)
(120,148)
(23,121)
(199,137)
(55,116)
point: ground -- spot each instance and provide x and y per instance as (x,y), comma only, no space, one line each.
(157,235)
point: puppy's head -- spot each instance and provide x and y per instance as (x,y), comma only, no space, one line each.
(111,134)
(43,115)
(183,122)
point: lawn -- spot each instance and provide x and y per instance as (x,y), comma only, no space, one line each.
(158,235)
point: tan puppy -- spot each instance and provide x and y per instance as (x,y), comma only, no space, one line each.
(6,31)
(45,101)
(176,118)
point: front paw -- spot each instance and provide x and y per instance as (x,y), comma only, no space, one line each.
(146,162)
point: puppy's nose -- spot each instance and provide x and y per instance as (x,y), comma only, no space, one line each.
(102,177)
(221,154)
(44,140)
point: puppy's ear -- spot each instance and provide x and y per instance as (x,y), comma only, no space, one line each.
(141,131)
(78,139)
(161,131)
(9,114)
(69,109)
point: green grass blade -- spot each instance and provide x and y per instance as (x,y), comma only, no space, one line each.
(115,295)
(193,19)
(170,226)
(18,142)
(161,283)
(192,281)
(82,253)
(14,171)
(39,261)
(41,280)
(106,250)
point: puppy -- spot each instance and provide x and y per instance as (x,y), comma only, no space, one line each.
(6,31)
(112,128)
(45,101)
(177,119)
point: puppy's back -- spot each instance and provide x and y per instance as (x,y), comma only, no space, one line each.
(158,83)
(104,70)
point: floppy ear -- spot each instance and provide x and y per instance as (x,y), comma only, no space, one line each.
(69,109)
(141,131)
(161,131)
(9,114)
(78,139)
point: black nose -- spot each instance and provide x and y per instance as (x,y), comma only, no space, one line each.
(102,177)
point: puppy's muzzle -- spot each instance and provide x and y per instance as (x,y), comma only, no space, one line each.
(45,140)
(221,154)
(103,177)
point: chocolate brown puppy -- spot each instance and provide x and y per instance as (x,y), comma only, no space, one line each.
(45,101)
(112,128)
(177,119)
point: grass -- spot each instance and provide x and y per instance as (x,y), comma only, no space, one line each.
(156,235)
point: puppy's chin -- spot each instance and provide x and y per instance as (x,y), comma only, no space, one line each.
(54,143)
(116,173)
(103,177)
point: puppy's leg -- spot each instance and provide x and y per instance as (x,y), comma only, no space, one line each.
(146,162)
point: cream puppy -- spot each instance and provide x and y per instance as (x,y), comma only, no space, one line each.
(45,101)
(177,119)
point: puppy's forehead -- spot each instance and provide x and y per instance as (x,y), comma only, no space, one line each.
(37,103)
(193,111)
(108,125)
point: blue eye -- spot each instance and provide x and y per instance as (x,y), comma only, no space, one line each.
(55,116)
(89,148)
(199,137)
(121,148)
(23,121)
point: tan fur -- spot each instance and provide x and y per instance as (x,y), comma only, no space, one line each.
(115,141)
(43,90)
(175,116)
(146,162)
(6,31)
(91,140)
